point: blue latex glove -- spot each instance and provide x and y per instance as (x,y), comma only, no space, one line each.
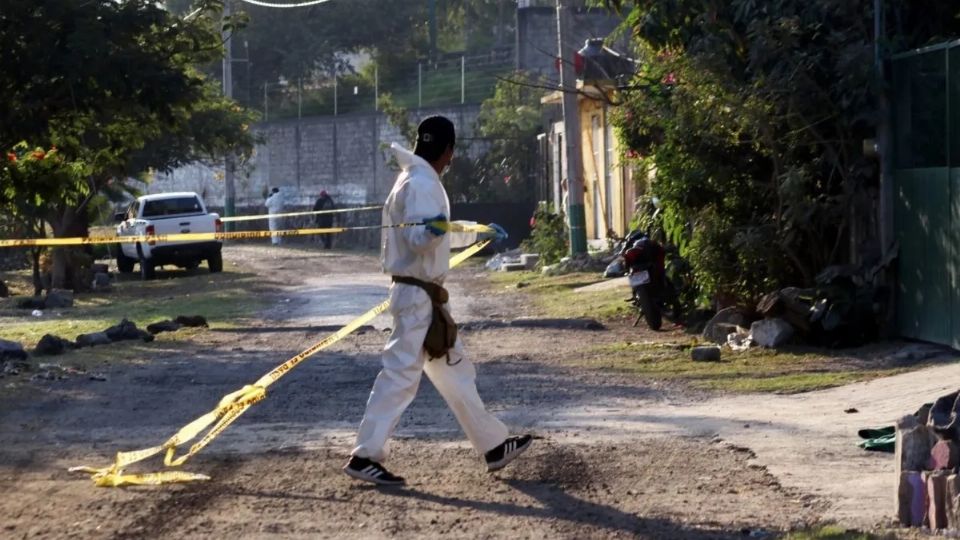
(435,228)
(498,234)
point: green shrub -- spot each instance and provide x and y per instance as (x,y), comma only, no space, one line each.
(549,237)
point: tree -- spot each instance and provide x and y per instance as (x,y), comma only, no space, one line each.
(752,115)
(112,85)
(508,125)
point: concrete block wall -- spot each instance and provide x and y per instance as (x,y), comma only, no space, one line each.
(345,155)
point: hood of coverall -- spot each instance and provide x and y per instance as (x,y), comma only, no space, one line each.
(408,160)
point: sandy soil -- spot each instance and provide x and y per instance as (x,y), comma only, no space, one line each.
(615,457)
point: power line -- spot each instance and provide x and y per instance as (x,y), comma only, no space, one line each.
(281,6)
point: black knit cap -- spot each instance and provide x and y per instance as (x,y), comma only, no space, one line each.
(434,135)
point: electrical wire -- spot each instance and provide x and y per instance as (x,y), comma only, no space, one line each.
(281,6)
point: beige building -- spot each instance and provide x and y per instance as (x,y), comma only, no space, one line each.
(609,191)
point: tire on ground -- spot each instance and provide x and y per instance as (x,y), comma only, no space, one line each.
(651,312)
(215,261)
(124,263)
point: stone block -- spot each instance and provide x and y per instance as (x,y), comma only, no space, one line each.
(936,484)
(707,353)
(944,455)
(530,260)
(911,499)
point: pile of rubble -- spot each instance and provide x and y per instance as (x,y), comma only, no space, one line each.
(577,263)
(927,461)
(513,261)
(842,310)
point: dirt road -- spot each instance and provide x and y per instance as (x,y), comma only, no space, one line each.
(616,457)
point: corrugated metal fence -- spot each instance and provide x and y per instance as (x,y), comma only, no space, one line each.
(927,179)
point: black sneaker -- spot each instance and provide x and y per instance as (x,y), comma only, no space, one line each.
(371,471)
(502,455)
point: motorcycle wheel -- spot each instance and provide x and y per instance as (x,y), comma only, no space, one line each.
(651,312)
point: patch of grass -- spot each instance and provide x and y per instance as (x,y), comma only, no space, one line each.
(832,532)
(225,299)
(556,295)
(756,370)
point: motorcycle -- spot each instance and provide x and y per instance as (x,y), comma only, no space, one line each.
(643,261)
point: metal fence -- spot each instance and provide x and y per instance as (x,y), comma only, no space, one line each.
(449,81)
(926,118)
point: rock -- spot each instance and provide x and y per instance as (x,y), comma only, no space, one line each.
(720,333)
(944,416)
(126,331)
(98,377)
(724,323)
(771,333)
(4,291)
(163,326)
(530,260)
(96,338)
(943,456)
(101,281)
(192,321)
(706,353)
(59,298)
(512,267)
(911,499)
(51,345)
(936,483)
(11,350)
(739,341)
(35,302)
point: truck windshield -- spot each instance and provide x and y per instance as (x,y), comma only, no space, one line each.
(171,207)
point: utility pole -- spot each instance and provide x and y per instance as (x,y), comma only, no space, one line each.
(229,203)
(432,14)
(571,135)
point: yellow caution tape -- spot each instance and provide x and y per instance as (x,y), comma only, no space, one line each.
(294,214)
(225,413)
(451,226)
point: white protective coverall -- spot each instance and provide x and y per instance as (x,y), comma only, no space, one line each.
(274,205)
(415,252)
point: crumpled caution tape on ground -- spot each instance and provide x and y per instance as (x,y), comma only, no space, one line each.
(225,413)
(295,214)
(238,235)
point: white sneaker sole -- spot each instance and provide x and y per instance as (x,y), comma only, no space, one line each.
(366,478)
(505,460)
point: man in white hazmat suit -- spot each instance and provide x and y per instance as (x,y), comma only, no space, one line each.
(421,255)
(274,204)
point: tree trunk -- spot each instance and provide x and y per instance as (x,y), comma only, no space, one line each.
(71,222)
(37,280)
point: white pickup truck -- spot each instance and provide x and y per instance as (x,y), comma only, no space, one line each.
(167,213)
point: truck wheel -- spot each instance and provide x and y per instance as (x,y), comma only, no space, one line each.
(124,263)
(147,270)
(215,262)
(650,310)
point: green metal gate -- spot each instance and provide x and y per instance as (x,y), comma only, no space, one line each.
(927,192)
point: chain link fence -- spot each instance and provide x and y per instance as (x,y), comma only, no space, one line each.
(449,81)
